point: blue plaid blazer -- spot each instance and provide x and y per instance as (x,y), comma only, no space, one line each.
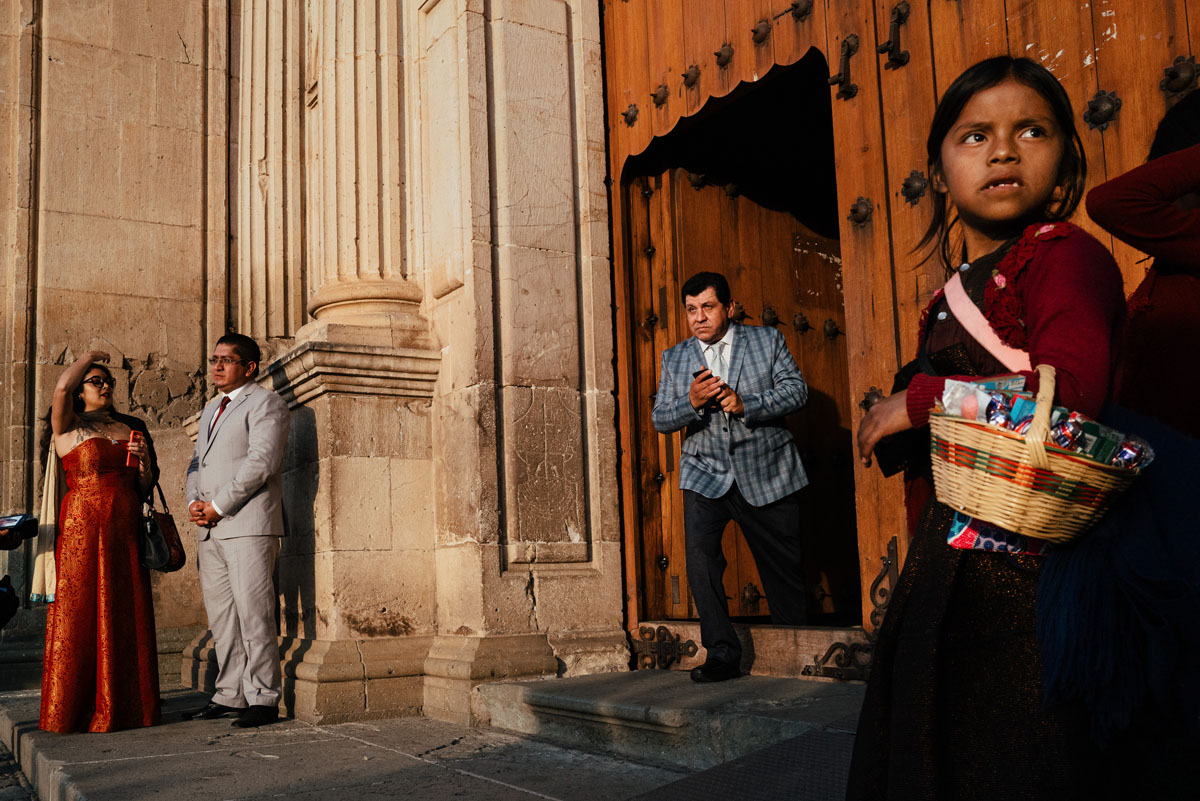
(756,449)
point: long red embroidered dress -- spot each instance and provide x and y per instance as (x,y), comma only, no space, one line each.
(100,671)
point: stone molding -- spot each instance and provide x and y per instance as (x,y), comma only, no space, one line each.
(457,664)
(584,652)
(312,369)
(370,298)
(530,553)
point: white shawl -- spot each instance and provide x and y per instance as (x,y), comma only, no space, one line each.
(45,574)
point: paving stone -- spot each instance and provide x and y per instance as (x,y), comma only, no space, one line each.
(210,760)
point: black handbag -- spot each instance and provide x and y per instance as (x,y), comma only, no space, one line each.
(159,544)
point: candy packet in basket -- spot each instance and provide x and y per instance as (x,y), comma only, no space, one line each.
(1013,410)
(1024,466)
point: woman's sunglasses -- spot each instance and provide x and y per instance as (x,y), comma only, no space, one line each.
(100,382)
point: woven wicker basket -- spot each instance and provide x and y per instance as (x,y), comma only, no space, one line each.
(1021,483)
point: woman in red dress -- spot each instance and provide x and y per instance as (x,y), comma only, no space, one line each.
(101,666)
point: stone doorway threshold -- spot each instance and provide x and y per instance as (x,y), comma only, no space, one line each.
(663,717)
(812,652)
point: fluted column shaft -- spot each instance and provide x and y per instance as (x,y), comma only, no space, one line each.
(269,245)
(356,177)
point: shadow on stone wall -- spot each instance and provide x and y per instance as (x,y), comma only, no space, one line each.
(295,573)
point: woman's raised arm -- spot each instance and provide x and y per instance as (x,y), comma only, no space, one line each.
(61,413)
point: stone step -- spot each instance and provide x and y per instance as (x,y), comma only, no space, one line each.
(664,717)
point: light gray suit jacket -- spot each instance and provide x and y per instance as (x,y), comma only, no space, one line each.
(237,467)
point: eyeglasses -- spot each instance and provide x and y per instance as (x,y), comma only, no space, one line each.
(224,361)
(99,382)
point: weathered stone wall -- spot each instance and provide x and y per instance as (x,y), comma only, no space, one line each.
(113,209)
(514,251)
(405,203)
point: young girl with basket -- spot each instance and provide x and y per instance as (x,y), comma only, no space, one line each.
(954,707)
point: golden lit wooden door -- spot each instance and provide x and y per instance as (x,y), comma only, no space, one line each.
(783,275)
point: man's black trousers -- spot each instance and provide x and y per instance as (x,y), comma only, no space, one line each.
(773,534)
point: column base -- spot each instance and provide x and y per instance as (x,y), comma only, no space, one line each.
(21,663)
(334,681)
(171,643)
(581,653)
(456,665)
(337,681)
(198,664)
(387,306)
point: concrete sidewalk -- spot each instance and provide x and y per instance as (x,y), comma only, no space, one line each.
(412,758)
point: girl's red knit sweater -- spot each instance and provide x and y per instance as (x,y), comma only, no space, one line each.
(1058,294)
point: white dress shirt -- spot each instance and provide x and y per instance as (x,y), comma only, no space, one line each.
(710,351)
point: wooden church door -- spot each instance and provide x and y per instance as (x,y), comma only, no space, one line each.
(783,275)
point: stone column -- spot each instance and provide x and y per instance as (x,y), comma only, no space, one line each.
(356,573)
(451,508)
(356,177)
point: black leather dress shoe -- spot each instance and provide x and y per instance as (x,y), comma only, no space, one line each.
(715,671)
(211,710)
(257,715)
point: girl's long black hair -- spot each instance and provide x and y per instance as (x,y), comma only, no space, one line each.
(1072,171)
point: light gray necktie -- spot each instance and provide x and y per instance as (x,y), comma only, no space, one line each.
(716,359)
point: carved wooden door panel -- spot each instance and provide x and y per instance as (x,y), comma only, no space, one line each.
(782,275)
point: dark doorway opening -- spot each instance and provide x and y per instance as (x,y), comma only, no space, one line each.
(747,187)
(770,141)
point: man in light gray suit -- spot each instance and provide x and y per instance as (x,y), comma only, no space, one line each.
(235,498)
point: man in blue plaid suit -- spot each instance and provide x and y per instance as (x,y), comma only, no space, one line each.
(730,386)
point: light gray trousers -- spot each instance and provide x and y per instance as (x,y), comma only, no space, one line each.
(239,596)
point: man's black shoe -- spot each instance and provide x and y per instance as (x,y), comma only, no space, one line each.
(257,715)
(716,671)
(211,710)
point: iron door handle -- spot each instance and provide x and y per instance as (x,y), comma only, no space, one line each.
(846,88)
(896,57)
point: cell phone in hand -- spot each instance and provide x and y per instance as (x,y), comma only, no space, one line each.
(131,460)
(697,373)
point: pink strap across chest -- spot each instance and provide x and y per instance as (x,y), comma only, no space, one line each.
(971,318)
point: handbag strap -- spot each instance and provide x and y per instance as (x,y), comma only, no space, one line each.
(161,497)
(971,318)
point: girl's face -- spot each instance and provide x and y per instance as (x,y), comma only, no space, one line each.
(1000,163)
(96,391)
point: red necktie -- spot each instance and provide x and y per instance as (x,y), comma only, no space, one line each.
(217,416)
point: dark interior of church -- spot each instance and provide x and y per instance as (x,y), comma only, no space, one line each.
(771,141)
